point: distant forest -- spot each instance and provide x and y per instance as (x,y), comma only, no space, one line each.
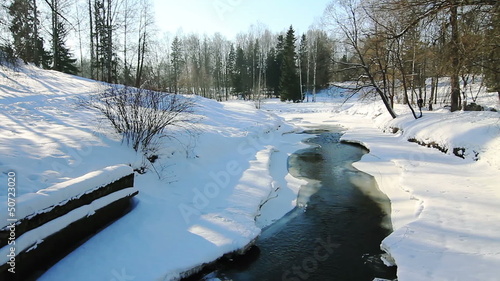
(392,46)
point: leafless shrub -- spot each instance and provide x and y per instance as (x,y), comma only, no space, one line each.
(141,116)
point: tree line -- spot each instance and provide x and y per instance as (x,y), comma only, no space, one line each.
(116,41)
(394,47)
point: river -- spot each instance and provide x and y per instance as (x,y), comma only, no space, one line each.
(335,231)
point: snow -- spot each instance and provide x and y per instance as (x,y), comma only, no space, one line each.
(220,183)
(447,224)
(34,237)
(44,200)
(476,132)
(44,136)
(448,228)
(206,208)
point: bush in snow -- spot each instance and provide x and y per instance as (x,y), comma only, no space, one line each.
(141,115)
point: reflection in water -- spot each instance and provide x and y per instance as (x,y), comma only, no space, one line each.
(334,233)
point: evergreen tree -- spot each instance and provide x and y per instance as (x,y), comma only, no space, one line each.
(273,72)
(27,42)
(324,60)
(289,80)
(62,59)
(177,62)
(241,83)
(65,61)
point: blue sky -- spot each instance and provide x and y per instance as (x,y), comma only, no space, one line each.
(230,17)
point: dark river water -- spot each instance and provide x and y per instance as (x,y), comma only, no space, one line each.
(335,231)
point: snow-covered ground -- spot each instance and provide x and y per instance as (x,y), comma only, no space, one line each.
(214,179)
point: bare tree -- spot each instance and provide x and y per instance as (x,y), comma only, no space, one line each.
(352,20)
(417,11)
(146,23)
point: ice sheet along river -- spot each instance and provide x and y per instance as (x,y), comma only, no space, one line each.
(334,233)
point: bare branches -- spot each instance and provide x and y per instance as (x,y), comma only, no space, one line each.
(141,115)
(351,22)
(415,11)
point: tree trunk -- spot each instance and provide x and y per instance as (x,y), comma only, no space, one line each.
(386,103)
(94,41)
(405,90)
(455,60)
(80,42)
(109,63)
(125,34)
(55,35)
(315,58)
(37,55)
(300,79)
(141,52)
(308,75)
(433,92)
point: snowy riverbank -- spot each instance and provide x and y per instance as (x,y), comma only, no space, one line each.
(215,180)
(445,209)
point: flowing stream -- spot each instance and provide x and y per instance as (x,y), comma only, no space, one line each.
(335,231)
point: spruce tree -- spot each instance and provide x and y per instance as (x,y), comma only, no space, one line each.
(289,81)
(62,59)
(324,60)
(241,83)
(25,30)
(273,71)
(274,64)
(177,62)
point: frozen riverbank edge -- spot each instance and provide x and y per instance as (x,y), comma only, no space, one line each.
(445,210)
